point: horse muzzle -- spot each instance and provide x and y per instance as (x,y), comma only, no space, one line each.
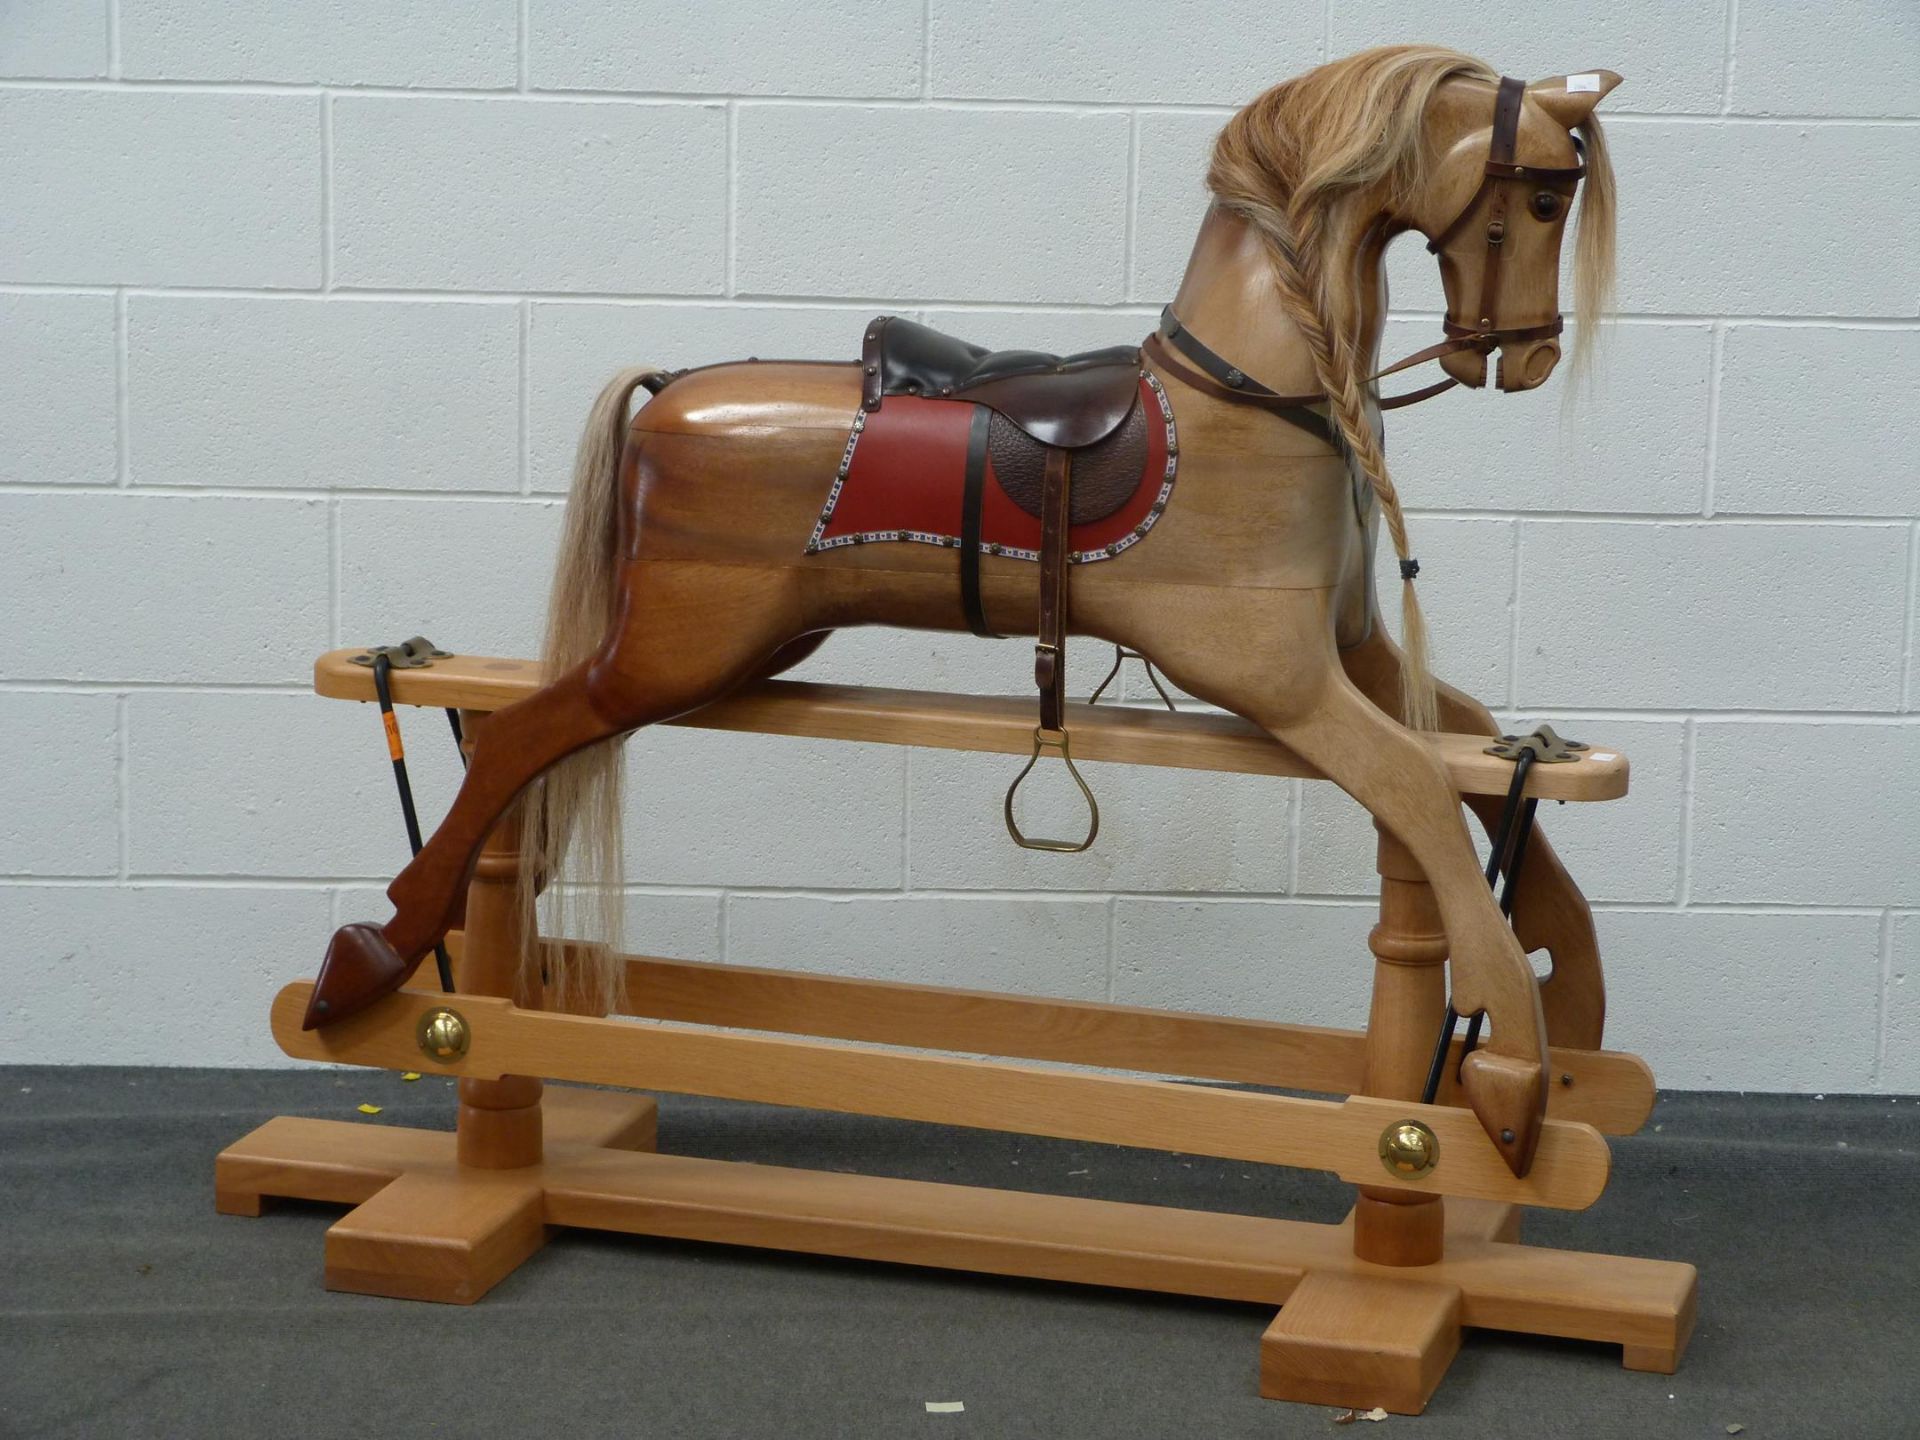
(1522,364)
(1526,365)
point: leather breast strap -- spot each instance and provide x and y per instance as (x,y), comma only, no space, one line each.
(972,496)
(1219,376)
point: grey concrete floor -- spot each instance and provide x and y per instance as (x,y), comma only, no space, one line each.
(128,1308)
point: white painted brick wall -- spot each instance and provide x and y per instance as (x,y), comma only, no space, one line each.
(301,307)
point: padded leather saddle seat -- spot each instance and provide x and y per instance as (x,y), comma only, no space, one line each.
(1068,401)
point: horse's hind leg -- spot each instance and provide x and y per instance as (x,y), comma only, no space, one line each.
(1549,912)
(697,631)
(1269,655)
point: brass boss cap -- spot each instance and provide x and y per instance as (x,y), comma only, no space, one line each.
(443,1035)
(1409,1149)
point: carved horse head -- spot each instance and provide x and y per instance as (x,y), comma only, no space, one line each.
(1494,208)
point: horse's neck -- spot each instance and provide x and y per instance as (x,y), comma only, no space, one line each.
(1227,299)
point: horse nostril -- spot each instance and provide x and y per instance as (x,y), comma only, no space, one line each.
(1541,362)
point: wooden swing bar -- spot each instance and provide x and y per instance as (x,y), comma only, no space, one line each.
(994,724)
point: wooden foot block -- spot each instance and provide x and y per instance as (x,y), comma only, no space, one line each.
(250,1203)
(1361,1341)
(341,1162)
(448,1236)
(1663,1357)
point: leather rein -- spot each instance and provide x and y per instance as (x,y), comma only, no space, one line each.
(1221,377)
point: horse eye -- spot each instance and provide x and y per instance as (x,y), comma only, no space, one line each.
(1545,204)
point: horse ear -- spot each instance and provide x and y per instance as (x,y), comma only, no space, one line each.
(1570,98)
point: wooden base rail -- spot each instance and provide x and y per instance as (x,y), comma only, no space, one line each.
(1569,1171)
(427,1230)
(1375,1307)
(1609,1090)
(1187,740)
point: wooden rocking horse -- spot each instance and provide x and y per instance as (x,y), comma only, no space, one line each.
(1209,500)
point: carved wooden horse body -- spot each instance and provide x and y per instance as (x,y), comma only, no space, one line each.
(1253,590)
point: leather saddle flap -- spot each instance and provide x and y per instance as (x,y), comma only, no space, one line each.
(903,473)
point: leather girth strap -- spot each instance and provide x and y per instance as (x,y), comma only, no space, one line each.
(972,497)
(1050,644)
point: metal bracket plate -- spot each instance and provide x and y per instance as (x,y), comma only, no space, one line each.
(419,653)
(1547,747)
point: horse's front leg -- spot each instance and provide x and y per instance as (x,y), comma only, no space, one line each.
(1268,655)
(1549,912)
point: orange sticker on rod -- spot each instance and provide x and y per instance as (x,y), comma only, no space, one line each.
(392,722)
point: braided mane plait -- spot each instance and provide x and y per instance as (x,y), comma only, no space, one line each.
(1288,164)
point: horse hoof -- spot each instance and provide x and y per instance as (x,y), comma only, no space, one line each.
(1509,1097)
(361,967)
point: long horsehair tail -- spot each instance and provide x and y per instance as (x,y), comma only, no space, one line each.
(572,813)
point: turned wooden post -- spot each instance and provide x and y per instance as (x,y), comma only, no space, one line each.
(500,1124)
(1393,1227)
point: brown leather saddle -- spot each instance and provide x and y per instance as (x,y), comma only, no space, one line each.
(1066,436)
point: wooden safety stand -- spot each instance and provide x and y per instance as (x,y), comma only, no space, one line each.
(1374,1306)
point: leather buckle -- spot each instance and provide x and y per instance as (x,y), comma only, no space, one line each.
(1045,739)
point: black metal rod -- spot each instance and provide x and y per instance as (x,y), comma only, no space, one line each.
(1473,1037)
(382,671)
(1519,855)
(1516,824)
(1439,1065)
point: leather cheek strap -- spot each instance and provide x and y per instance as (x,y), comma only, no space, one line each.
(1506,135)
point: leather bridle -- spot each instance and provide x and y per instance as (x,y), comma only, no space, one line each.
(1500,175)
(1221,377)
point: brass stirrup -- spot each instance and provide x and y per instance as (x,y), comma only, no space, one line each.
(1052,740)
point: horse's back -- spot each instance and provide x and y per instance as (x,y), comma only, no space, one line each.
(756,397)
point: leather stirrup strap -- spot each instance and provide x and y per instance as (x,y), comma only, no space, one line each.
(1050,646)
(972,496)
(1050,654)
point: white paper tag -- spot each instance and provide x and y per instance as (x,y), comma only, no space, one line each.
(1583,84)
(946,1407)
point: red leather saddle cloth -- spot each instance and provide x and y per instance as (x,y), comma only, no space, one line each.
(903,473)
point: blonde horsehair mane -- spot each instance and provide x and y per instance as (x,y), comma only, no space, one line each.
(1292,163)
